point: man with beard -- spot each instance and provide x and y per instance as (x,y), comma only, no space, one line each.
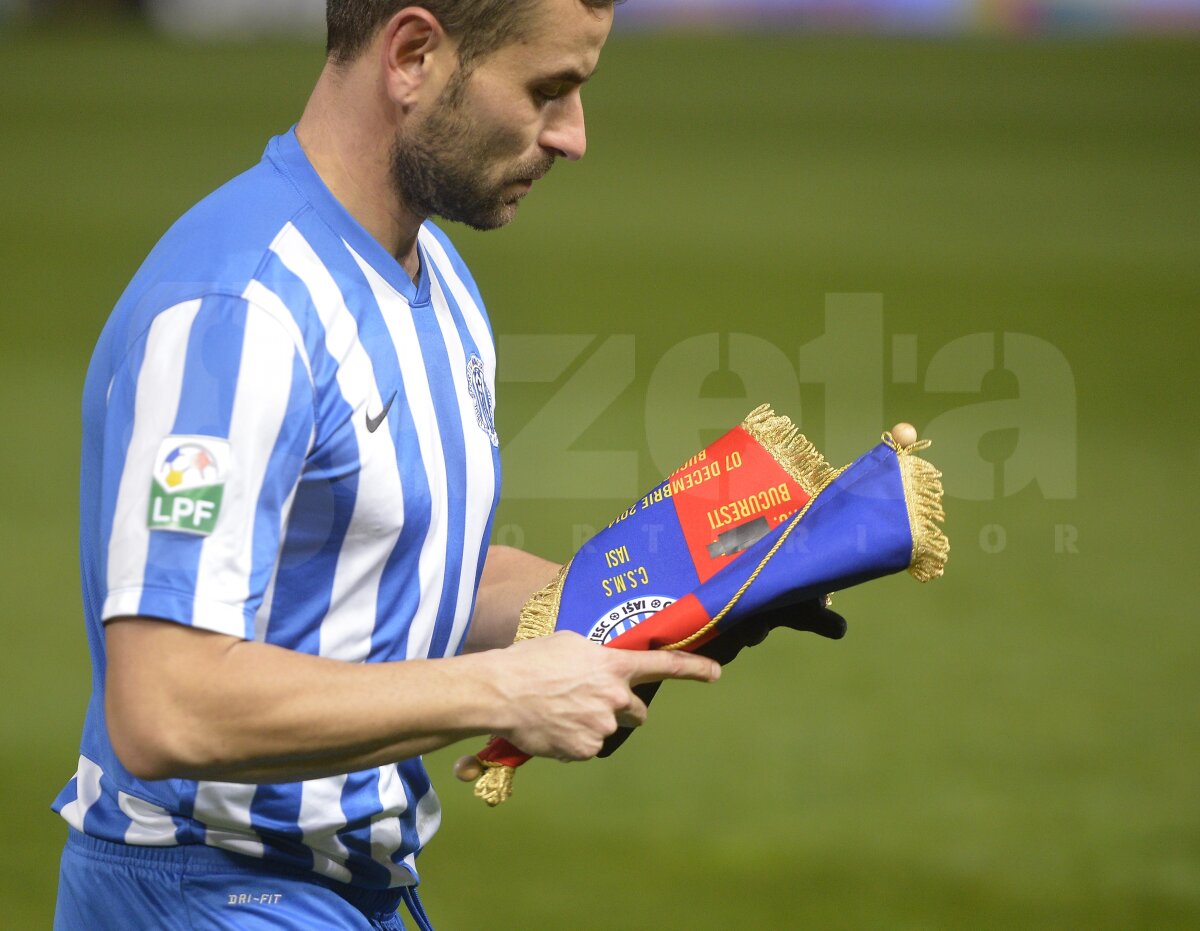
(290,467)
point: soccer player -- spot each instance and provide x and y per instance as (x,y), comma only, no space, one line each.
(289,472)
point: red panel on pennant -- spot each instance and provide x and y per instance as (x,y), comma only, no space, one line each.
(673,623)
(729,496)
(500,751)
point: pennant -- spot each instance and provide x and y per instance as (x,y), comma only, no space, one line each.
(755,521)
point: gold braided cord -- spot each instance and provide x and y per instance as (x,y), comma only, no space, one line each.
(790,448)
(688,641)
(923,498)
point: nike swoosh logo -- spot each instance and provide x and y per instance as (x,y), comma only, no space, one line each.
(374,422)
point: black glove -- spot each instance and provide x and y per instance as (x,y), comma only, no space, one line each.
(811,615)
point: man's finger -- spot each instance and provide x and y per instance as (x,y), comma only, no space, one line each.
(634,715)
(656,665)
(829,624)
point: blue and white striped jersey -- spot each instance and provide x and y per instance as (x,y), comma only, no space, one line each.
(286,440)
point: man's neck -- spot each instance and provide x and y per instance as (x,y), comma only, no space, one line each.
(343,133)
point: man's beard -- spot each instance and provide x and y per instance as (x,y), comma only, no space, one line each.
(440,168)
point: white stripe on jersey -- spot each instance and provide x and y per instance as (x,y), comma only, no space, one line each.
(480,470)
(386,835)
(87,793)
(224,809)
(273,306)
(159,384)
(428,820)
(429,816)
(260,402)
(476,324)
(319,798)
(262,617)
(270,302)
(347,629)
(431,565)
(150,824)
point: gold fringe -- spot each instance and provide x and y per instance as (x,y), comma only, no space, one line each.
(496,783)
(537,619)
(540,612)
(923,496)
(790,448)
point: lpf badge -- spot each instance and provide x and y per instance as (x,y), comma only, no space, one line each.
(188,483)
(481,395)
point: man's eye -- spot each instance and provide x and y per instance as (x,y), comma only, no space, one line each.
(548,92)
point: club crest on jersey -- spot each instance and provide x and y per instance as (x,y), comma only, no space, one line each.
(188,484)
(481,395)
(622,617)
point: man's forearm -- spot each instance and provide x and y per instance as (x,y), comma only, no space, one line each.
(234,710)
(510,576)
(187,703)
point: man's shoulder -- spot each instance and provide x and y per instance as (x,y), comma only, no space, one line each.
(223,239)
(216,249)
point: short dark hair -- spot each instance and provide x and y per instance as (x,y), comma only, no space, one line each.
(479,26)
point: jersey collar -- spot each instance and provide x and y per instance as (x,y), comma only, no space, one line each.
(286,152)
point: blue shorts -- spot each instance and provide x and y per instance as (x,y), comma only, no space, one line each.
(105,886)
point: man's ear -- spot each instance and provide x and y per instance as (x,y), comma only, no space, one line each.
(414,46)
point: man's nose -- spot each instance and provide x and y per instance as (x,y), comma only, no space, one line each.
(564,133)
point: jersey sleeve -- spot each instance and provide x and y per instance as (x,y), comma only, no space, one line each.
(209,419)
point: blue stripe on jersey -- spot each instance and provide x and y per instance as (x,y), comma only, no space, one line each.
(416,785)
(361,794)
(483,548)
(469,347)
(321,514)
(327,492)
(444,385)
(283,467)
(210,372)
(282,282)
(399,594)
(461,272)
(210,377)
(275,815)
(68,794)
(119,395)
(106,820)
(190,831)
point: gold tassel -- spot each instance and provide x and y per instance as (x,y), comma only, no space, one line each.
(923,496)
(496,783)
(790,448)
(537,619)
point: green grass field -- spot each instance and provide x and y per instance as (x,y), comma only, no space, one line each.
(1014,746)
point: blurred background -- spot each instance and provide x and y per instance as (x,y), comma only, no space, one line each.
(978,215)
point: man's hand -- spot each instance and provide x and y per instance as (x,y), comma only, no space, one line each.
(566,695)
(812,616)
